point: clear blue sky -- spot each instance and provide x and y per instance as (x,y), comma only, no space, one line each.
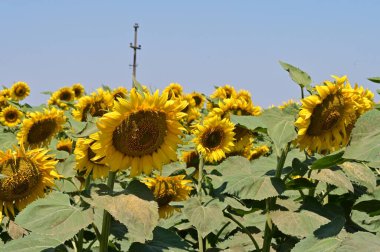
(199,44)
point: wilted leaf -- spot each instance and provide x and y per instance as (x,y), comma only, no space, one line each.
(140,216)
(15,231)
(300,224)
(333,177)
(204,218)
(54,216)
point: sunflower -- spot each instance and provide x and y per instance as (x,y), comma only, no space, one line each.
(173,91)
(191,158)
(199,99)
(119,92)
(192,112)
(65,145)
(61,97)
(236,107)
(214,138)
(166,190)
(142,132)
(84,159)
(287,104)
(28,175)
(243,142)
(39,128)
(78,90)
(19,91)
(97,104)
(324,116)
(11,116)
(224,92)
(3,102)
(244,95)
(258,152)
(5,93)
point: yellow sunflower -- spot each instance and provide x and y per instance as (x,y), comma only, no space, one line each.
(243,142)
(258,152)
(61,97)
(5,93)
(3,102)
(85,162)
(173,91)
(166,190)
(244,95)
(97,104)
(11,116)
(224,92)
(236,107)
(28,175)
(119,92)
(65,145)
(287,104)
(142,132)
(191,158)
(214,138)
(78,90)
(199,99)
(324,116)
(39,128)
(19,91)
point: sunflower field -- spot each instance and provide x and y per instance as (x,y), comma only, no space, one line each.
(143,170)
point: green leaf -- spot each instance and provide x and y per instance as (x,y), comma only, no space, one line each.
(297,75)
(8,141)
(313,244)
(139,189)
(365,142)
(331,229)
(205,218)
(32,243)
(67,167)
(89,129)
(59,154)
(54,216)
(364,220)
(360,242)
(328,161)
(300,224)
(239,242)
(374,79)
(280,126)
(334,177)
(140,216)
(254,123)
(163,240)
(361,174)
(251,187)
(137,85)
(234,165)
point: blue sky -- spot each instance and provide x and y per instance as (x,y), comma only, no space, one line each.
(199,44)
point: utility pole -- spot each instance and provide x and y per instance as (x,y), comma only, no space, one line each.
(135,48)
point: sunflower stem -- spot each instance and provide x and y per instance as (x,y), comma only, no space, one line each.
(81,232)
(302,94)
(200,178)
(270,202)
(106,226)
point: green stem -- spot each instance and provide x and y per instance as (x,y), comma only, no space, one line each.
(245,230)
(272,201)
(200,178)
(81,232)
(302,94)
(106,226)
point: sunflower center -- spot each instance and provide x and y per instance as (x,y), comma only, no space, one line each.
(97,109)
(197,100)
(41,131)
(213,138)
(326,115)
(22,178)
(65,96)
(77,92)
(64,148)
(11,116)
(20,91)
(142,133)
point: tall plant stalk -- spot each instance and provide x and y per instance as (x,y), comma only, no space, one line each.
(199,192)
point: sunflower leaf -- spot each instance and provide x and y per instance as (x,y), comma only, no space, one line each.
(360,242)
(328,161)
(7,140)
(55,217)
(361,174)
(297,75)
(374,79)
(334,177)
(254,123)
(140,216)
(313,244)
(32,243)
(205,218)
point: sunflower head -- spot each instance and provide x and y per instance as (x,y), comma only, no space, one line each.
(235,107)
(78,90)
(19,91)
(167,190)
(141,132)
(198,98)
(244,95)
(85,162)
(61,97)
(258,152)
(11,116)
(65,144)
(6,93)
(243,142)
(324,117)
(214,138)
(39,128)
(173,91)
(119,92)
(27,177)
(225,92)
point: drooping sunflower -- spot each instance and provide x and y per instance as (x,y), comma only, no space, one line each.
(243,142)
(119,92)
(324,116)
(167,190)
(39,128)
(236,107)
(214,138)
(244,95)
(191,158)
(173,91)
(141,132)
(65,144)
(11,116)
(85,162)
(19,91)
(224,92)
(28,175)
(78,90)
(199,99)
(257,152)
(97,104)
